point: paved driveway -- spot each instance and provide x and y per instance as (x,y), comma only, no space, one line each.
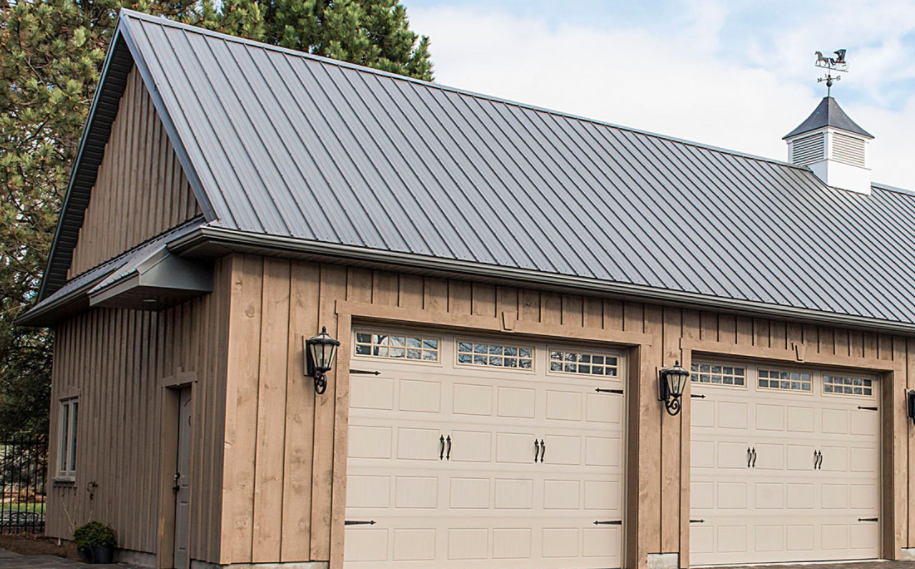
(10,560)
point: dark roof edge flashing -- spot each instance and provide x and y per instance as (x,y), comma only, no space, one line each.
(229,239)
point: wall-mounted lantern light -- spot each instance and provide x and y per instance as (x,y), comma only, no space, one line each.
(910,405)
(320,352)
(671,383)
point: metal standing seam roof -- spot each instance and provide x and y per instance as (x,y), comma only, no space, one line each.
(286,144)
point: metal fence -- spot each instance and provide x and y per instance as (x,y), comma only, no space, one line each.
(23,468)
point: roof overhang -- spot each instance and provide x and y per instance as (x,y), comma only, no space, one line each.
(208,241)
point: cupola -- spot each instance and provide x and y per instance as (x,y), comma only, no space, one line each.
(834,147)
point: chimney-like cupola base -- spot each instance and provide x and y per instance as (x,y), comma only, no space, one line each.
(834,147)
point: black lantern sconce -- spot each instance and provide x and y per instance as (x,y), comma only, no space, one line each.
(671,383)
(910,405)
(320,352)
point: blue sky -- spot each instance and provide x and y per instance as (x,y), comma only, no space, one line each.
(737,74)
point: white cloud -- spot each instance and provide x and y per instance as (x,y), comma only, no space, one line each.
(677,84)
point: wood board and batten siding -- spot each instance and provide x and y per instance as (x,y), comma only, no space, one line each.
(117,362)
(286,452)
(140,191)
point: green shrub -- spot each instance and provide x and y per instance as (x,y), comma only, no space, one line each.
(94,534)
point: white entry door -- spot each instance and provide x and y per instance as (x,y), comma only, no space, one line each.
(784,465)
(471,452)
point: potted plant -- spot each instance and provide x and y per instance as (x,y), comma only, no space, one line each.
(96,542)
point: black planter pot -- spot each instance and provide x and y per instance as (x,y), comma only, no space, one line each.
(103,554)
(85,555)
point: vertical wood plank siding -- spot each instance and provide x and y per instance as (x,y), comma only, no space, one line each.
(296,472)
(141,190)
(117,359)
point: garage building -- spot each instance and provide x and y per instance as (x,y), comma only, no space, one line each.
(509,286)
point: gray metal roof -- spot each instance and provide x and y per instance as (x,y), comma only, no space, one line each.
(828,113)
(288,145)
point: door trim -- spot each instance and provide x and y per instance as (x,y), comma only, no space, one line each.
(170,393)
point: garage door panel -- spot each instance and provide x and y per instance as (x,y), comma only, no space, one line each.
(799,496)
(784,509)
(513,493)
(770,495)
(418,444)
(604,408)
(732,455)
(770,417)
(559,542)
(769,538)
(414,544)
(800,537)
(472,399)
(469,446)
(516,402)
(468,544)
(369,392)
(511,543)
(420,396)
(489,504)
(835,459)
(470,493)
(801,457)
(370,442)
(564,405)
(732,415)
(770,456)
(801,419)
(413,492)
(865,422)
(368,491)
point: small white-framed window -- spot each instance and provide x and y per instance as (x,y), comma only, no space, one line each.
(718,374)
(492,354)
(583,363)
(66,458)
(413,347)
(784,380)
(848,385)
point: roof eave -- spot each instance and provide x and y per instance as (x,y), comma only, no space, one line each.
(211,238)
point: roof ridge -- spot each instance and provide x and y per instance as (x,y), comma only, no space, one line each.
(364,69)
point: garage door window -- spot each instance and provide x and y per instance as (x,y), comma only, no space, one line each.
(399,347)
(583,363)
(843,385)
(714,374)
(495,355)
(784,380)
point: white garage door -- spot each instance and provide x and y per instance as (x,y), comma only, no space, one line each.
(784,465)
(473,453)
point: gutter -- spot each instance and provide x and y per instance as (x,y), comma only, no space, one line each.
(233,239)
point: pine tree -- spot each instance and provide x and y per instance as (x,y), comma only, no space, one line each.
(51,52)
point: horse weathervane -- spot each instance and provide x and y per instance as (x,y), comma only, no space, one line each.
(835,64)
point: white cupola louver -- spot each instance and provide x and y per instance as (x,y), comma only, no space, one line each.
(834,147)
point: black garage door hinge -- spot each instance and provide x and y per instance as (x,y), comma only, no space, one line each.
(617,391)
(867,408)
(694,396)
(359,522)
(868,519)
(697,521)
(365,371)
(608,522)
